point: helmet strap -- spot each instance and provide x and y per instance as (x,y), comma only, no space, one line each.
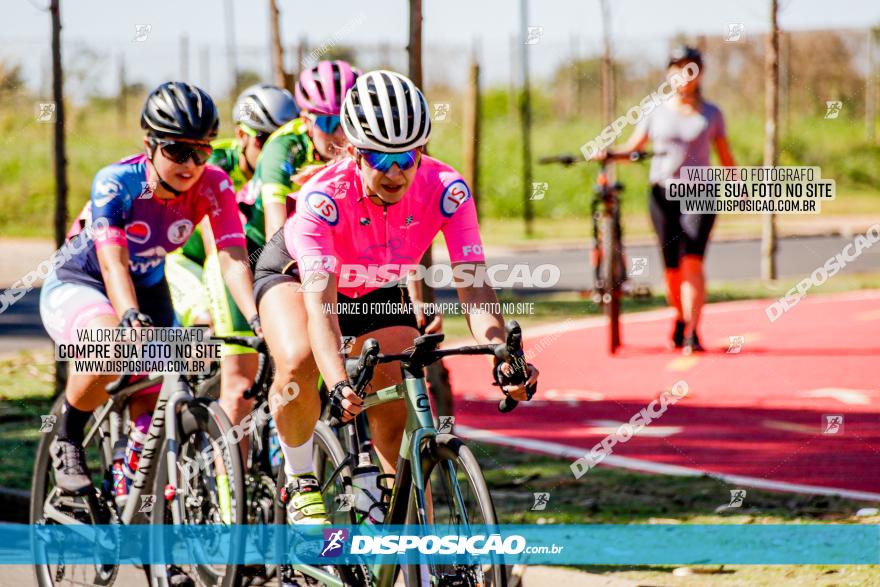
(165,185)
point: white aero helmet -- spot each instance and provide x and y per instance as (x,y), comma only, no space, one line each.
(386,112)
(264,108)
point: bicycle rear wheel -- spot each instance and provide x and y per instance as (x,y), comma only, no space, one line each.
(458,496)
(48,504)
(210,487)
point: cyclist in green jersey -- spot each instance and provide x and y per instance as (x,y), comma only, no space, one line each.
(196,282)
(297,150)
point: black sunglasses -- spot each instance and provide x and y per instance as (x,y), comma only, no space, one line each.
(180,152)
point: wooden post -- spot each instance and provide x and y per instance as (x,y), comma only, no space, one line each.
(608,97)
(121,101)
(60,155)
(526,118)
(205,68)
(277,52)
(230,47)
(472,131)
(771,137)
(869,89)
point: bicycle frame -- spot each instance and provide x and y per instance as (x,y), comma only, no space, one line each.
(108,422)
(419,429)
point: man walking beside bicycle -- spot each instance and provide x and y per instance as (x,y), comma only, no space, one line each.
(682,130)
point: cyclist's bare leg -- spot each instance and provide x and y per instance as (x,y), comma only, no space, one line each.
(693,290)
(388,420)
(86,391)
(285,329)
(673,288)
(237,374)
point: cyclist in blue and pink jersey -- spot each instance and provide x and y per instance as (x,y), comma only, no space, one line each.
(142,208)
(360,226)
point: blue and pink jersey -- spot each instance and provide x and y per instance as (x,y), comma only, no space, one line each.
(148,226)
(336,224)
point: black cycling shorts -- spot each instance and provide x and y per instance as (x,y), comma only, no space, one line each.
(679,234)
(381,308)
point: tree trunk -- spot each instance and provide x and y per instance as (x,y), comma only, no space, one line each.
(60,155)
(771,137)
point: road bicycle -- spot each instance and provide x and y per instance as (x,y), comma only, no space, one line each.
(262,462)
(607,256)
(186,433)
(438,480)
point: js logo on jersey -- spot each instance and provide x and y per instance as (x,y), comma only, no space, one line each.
(334,542)
(138,231)
(323,206)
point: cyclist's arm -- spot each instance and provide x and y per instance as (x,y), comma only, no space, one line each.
(636,142)
(113,259)
(486,326)
(722,147)
(324,332)
(237,275)
(276,214)
(110,202)
(232,247)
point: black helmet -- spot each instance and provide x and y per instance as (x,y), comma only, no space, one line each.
(180,110)
(685,54)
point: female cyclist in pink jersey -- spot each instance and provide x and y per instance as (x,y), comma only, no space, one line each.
(360,226)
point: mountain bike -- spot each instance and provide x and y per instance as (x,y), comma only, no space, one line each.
(438,480)
(607,256)
(185,434)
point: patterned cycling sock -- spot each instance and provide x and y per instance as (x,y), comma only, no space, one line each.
(73,423)
(298,459)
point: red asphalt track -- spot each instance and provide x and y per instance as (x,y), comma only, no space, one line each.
(754,418)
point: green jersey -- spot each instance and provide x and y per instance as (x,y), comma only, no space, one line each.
(285,153)
(225,156)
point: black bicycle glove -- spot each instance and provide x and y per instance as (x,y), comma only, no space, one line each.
(254,323)
(337,412)
(133,315)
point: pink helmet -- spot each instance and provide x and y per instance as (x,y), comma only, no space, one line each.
(322,88)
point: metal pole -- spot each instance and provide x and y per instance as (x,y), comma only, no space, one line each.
(771,137)
(526,118)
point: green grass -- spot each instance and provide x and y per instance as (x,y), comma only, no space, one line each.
(96,137)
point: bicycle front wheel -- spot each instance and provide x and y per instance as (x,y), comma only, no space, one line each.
(50,506)
(458,495)
(210,488)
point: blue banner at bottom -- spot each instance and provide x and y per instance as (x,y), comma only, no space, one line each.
(502,544)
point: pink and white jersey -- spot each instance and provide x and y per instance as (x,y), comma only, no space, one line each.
(336,228)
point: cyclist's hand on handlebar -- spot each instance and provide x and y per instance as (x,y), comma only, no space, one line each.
(428,323)
(134,318)
(344,402)
(599,155)
(514,390)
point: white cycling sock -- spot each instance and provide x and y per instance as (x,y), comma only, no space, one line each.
(298,459)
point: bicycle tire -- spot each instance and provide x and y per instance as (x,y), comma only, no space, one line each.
(451,449)
(204,419)
(328,456)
